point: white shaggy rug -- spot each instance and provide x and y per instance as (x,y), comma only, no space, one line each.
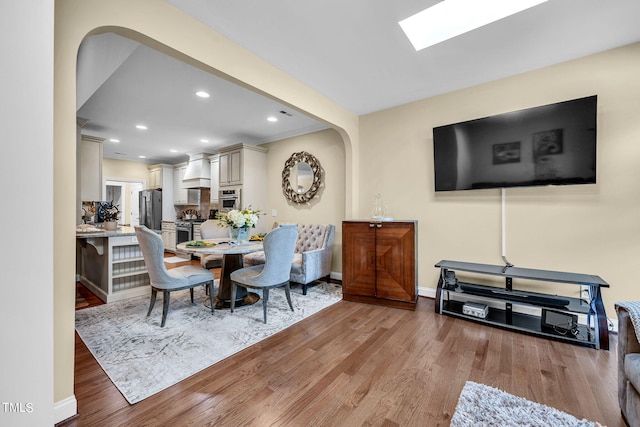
(141,358)
(481,405)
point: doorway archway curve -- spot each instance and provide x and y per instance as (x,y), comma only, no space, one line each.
(260,77)
(163,27)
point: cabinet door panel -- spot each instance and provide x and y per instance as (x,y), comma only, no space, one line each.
(235,163)
(224,169)
(395,258)
(359,260)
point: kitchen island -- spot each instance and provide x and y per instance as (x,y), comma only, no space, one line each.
(110,263)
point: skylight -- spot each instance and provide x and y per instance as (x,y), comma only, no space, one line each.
(451,18)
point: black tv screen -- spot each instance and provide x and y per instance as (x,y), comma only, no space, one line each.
(552,144)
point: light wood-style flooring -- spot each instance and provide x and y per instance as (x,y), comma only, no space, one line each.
(356,364)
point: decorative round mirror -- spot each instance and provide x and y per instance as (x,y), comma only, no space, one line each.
(301,177)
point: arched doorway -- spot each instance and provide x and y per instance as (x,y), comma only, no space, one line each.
(178,35)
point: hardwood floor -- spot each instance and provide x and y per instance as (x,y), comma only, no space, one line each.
(356,364)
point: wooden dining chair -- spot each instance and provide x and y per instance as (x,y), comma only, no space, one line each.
(279,245)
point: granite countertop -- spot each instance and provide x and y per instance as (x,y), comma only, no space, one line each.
(121,231)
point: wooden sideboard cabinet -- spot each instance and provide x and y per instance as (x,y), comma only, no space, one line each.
(379,263)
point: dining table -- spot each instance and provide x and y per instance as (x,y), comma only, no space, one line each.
(232,253)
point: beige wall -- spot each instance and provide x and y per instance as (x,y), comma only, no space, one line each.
(585,229)
(329,206)
(123,169)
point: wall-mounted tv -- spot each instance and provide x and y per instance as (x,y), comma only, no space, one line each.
(552,144)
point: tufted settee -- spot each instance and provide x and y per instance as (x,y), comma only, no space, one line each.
(312,257)
(628,363)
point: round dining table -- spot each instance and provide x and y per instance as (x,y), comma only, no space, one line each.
(231,261)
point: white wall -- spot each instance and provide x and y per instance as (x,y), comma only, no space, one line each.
(26,119)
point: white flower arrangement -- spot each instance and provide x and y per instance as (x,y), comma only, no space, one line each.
(245,218)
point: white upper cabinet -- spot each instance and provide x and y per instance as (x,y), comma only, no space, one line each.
(160,176)
(231,168)
(215,177)
(155,178)
(90,168)
(180,194)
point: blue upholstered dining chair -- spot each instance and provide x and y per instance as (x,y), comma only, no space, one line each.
(167,281)
(279,245)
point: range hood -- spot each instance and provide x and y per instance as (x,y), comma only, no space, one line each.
(198,173)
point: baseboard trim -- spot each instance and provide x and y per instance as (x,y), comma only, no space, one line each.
(65,408)
(427,292)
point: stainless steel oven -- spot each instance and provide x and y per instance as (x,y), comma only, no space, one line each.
(229,199)
(184,233)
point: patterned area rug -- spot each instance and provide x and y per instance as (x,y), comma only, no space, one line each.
(481,405)
(141,358)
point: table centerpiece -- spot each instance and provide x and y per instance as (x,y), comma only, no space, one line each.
(239,221)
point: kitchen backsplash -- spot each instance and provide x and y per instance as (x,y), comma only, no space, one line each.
(200,211)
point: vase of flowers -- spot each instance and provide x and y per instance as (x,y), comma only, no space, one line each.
(110,214)
(239,221)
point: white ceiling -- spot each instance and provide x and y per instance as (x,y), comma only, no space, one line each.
(353,52)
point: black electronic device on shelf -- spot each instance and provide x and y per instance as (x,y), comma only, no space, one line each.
(533,298)
(559,322)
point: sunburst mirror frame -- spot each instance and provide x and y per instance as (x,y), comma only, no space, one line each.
(287,188)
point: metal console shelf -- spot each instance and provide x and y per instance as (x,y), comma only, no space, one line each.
(527,323)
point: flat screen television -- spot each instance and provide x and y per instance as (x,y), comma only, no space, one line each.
(552,144)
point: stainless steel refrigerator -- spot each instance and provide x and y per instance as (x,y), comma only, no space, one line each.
(151,209)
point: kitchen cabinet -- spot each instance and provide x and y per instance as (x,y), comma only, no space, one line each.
(230,171)
(112,265)
(251,164)
(155,178)
(379,263)
(215,177)
(169,235)
(159,176)
(180,194)
(90,168)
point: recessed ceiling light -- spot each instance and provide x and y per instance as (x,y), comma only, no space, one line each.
(142,157)
(204,140)
(173,151)
(141,127)
(114,140)
(272,119)
(450,18)
(202,94)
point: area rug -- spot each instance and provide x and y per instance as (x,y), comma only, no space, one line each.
(141,358)
(481,405)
